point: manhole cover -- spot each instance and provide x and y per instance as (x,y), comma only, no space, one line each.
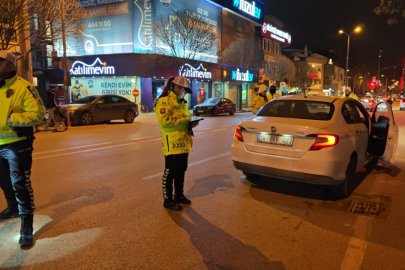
(368,208)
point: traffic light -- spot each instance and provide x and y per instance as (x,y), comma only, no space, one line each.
(372,84)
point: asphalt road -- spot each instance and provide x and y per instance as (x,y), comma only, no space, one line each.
(99,206)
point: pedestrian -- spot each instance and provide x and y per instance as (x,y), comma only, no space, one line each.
(50,106)
(175,127)
(261,98)
(348,93)
(21,110)
(273,94)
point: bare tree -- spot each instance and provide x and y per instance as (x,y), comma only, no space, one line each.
(392,8)
(302,74)
(185,37)
(40,20)
(243,54)
(280,68)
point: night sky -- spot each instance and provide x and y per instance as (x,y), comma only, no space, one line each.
(316,23)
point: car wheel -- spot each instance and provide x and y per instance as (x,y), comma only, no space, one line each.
(345,189)
(215,112)
(232,112)
(250,175)
(129,117)
(86,119)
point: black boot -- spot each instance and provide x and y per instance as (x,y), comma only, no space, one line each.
(170,204)
(26,237)
(181,199)
(10,212)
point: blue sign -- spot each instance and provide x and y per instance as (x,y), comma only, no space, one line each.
(107,29)
(250,9)
(239,74)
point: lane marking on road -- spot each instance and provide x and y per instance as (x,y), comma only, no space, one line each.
(353,258)
(226,126)
(85,151)
(70,148)
(84,146)
(219,129)
(198,133)
(203,129)
(189,165)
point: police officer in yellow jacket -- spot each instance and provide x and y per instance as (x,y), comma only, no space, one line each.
(348,93)
(273,94)
(261,98)
(174,123)
(20,110)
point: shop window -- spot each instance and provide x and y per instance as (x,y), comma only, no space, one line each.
(270,44)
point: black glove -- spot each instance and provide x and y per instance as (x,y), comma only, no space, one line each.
(25,131)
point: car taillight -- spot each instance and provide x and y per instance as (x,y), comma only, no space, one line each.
(323,140)
(238,133)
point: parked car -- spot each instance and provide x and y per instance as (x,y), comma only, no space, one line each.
(402,104)
(318,140)
(369,104)
(215,106)
(101,108)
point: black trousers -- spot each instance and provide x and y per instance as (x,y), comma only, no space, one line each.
(15,172)
(175,170)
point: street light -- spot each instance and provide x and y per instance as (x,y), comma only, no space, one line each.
(356,30)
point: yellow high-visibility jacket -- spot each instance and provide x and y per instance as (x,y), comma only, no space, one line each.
(20,106)
(275,95)
(352,95)
(258,102)
(174,123)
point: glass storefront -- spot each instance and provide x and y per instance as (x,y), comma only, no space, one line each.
(157,89)
(202,91)
(218,90)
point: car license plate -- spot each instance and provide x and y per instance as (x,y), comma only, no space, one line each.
(275,139)
(200,111)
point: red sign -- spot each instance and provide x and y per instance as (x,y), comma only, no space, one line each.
(202,92)
(135,92)
(314,76)
(272,32)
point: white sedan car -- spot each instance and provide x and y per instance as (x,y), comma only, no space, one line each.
(318,140)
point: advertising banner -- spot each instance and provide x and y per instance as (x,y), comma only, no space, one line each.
(146,11)
(108,29)
(122,86)
(273,32)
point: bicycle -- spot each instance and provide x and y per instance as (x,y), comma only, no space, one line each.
(143,108)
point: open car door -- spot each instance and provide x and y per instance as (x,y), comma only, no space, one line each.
(384,133)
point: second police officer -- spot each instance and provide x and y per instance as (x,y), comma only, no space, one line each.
(174,124)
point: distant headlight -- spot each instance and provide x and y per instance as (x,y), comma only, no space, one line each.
(209,108)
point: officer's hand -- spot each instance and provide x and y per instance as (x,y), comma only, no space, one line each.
(194,124)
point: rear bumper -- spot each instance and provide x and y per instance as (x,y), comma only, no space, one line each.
(286,175)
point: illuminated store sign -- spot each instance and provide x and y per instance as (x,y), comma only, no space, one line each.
(97,68)
(237,75)
(189,71)
(270,31)
(248,7)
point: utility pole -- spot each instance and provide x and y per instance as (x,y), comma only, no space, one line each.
(378,74)
(64,61)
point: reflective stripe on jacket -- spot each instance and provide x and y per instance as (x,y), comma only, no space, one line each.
(173,119)
(20,106)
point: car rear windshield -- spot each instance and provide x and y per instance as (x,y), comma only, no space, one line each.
(312,110)
(212,100)
(85,100)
